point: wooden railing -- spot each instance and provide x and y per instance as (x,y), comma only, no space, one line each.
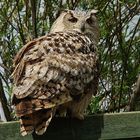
(96,127)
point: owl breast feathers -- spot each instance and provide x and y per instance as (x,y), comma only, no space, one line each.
(54,73)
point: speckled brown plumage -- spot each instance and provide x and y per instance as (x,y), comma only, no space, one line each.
(56,72)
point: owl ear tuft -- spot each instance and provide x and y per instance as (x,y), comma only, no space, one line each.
(61,11)
(65,11)
(93,12)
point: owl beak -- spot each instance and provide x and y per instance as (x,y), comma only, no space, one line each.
(80,27)
(83,28)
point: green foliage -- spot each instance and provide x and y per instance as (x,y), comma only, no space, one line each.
(23,20)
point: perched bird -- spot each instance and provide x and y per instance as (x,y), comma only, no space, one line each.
(57,72)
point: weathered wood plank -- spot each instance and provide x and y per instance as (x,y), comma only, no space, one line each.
(10,131)
(103,126)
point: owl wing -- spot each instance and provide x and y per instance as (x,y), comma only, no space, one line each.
(49,71)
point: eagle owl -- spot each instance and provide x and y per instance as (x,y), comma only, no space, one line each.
(57,73)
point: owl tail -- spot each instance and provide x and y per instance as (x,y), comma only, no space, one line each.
(38,122)
(43,124)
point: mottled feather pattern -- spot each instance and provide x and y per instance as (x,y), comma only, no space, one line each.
(37,121)
(41,66)
(49,72)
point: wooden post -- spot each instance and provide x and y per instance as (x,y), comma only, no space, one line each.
(96,127)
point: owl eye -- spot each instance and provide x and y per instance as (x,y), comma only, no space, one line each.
(90,21)
(73,19)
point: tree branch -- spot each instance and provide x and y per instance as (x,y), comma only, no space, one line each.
(33,9)
(4,102)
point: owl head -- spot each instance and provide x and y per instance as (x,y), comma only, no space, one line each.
(85,22)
